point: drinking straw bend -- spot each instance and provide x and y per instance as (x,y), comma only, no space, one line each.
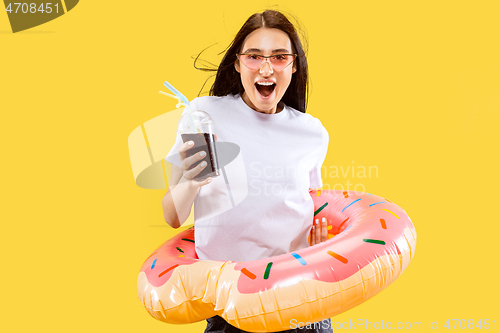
(184,100)
(177,93)
(179,104)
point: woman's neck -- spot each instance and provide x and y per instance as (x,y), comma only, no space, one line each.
(277,109)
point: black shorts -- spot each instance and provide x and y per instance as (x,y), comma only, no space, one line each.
(217,324)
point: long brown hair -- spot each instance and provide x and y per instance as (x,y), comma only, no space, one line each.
(227,79)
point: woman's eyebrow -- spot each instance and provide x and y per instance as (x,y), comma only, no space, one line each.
(253,50)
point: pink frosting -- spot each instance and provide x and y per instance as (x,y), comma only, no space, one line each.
(357,240)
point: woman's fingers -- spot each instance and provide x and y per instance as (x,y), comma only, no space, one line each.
(189,161)
(184,147)
(317,232)
(204,182)
(190,174)
(324,229)
(312,235)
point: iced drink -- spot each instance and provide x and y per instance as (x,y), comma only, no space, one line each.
(197,126)
(203,142)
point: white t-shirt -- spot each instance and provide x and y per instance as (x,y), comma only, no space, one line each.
(260,205)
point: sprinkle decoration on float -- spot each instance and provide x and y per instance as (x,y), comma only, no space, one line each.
(371,242)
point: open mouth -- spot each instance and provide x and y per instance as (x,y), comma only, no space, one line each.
(265,88)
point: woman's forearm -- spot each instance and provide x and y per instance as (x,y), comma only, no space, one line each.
(178,201)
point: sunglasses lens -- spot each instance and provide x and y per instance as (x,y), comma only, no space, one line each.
(281,61)
(254,61)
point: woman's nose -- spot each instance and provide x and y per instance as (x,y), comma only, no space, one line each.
(266,70)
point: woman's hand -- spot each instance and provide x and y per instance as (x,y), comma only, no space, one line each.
(187,161)
(319,232)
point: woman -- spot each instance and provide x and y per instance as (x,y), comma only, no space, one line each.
(258,102)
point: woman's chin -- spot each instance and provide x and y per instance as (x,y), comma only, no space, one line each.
(265,104)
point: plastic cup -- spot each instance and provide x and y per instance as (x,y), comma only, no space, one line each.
(198,127)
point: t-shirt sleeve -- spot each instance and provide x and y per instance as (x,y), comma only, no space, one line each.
(315,180)
(173,155)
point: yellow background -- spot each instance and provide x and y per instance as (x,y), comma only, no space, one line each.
(412,88)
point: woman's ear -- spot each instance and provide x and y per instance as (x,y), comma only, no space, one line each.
(237,65)
(294,67)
